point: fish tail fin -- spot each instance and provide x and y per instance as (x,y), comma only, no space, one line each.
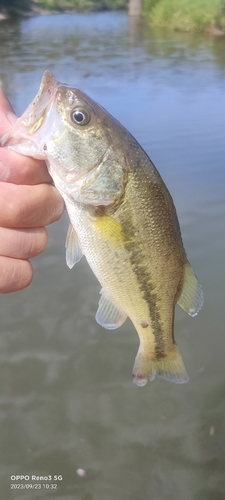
(170,367)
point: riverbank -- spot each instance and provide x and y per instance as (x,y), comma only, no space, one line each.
(26,8)
(187,15)
(180,15)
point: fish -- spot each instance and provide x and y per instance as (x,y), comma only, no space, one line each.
(122,219)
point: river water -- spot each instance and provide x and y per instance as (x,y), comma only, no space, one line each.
(67,403)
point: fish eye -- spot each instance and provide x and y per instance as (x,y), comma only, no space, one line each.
(80,116)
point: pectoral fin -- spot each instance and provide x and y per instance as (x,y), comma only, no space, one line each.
(191,298)
(73,250)
(108,314)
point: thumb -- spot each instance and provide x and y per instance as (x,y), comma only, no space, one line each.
(7,115)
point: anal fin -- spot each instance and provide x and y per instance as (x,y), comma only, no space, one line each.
(108,314)
(170,367)
(191,298)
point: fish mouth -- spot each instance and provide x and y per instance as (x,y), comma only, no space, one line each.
(33,117)
(32,120)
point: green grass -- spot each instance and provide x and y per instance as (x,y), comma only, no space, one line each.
(186,15)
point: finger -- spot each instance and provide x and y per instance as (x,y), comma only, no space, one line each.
(20,169)
(29,206)
(22,243)
(15,274)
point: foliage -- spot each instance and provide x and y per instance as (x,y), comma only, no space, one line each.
(14,6)
(14,3)
(185,15)
(82,5)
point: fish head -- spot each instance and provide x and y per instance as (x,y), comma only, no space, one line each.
(75,136)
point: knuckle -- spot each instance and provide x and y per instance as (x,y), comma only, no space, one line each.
(29,206)
(38,241)
(22,243)
(16,212)
(54,205)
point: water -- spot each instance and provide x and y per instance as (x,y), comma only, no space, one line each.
(67,401)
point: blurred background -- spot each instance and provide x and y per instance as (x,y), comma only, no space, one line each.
(67,403)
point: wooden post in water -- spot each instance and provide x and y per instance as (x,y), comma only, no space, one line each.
(134,7)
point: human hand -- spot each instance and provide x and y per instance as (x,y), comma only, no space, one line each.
(28,202)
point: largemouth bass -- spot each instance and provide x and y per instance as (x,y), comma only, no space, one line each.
(122,219)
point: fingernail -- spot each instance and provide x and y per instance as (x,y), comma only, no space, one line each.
(4,171)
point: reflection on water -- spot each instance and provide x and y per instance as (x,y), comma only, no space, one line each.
(66,397)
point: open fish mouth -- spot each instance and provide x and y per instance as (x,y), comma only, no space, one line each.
(35,113)
(35,117)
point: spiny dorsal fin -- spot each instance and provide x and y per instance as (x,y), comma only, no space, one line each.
(191,298)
